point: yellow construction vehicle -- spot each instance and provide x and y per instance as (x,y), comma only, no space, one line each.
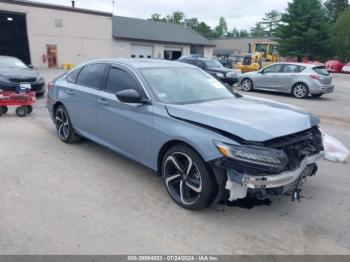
(260,54)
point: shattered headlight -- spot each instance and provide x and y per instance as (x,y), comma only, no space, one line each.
(255,155)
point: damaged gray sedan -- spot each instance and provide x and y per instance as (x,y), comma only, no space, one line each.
(206,142)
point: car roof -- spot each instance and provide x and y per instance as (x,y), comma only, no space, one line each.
(140,63)
(298,64)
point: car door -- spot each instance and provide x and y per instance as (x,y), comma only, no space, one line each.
(287,77)
(125,127)
(80,98)
(268,78)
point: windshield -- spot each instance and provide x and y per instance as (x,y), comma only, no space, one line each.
(6,62)
(321,70)
(184,85)
(213,64)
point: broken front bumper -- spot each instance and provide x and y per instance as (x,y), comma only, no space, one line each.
(238,184)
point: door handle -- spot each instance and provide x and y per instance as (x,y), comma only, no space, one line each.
(103,101)
(69,92)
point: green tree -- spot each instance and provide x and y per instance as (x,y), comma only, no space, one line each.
(341,36)
(221,28)
(243,33)
(335,8)
(233,33)
(271,21)
(205,30)
(157,17)
(304,31)
(192,23)
(176,17)
(258,30)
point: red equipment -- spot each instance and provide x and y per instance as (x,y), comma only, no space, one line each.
(334,66)
(24,101)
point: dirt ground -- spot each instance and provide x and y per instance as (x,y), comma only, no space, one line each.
(85,199)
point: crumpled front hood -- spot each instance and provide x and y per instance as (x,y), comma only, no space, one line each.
(249,118)
(18,73)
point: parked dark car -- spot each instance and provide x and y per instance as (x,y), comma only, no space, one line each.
(14,72)
(214,68)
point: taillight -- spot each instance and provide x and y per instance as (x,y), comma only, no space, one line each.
(316,77)
(49,85)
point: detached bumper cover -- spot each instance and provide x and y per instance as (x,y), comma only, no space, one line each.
(239,184)
(282,179)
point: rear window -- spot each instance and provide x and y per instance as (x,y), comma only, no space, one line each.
(321,70)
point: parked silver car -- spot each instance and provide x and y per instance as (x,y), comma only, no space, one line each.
(188,127)
(297,79)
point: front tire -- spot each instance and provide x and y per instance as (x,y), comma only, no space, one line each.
(187,178)
(300,91)
(64,128)
(22,111)
(247,85)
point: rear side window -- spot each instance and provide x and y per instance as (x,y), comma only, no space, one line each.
(190,61)
(200,64)
(119,80)
(91,75)
(293,69)
(72,76)
(321,70)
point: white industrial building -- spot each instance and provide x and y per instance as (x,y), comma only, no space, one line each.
(47,35)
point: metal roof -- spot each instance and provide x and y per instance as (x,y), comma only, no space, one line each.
(146,30)
(56,7)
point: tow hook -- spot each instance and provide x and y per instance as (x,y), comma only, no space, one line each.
(296,194)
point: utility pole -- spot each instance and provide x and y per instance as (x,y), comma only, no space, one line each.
(113,7)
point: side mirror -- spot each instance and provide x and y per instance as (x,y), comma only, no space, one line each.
(129,96)
(261,71)
(30,66)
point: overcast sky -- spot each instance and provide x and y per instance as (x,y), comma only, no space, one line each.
(241,14)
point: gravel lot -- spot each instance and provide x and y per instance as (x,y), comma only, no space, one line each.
(85,199)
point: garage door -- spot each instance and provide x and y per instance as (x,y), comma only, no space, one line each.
(141,51)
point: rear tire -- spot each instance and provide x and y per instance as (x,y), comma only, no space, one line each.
(4,109)
(247,85)
(30,109)
(187,178)
(300,91)
(64,128)
(22,111)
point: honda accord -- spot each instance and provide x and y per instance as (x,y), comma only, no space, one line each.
(206,142)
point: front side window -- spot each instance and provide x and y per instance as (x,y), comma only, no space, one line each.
(119,80)
(184,85)
(92,76)
(274,68)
